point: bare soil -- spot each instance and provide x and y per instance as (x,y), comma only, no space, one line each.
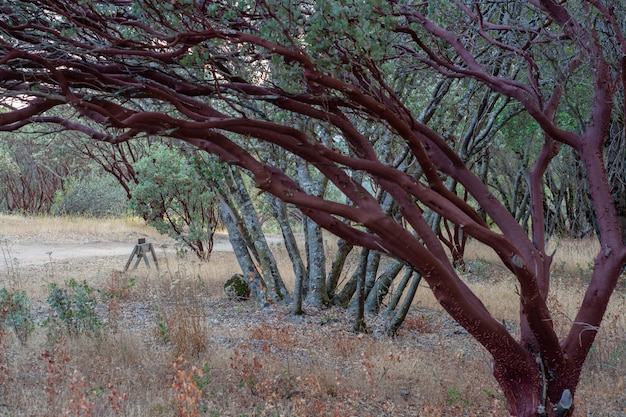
(40,252)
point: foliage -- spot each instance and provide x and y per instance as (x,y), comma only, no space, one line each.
(59,174)
(227,78)
(15,313)
(31,172)
(189,385)
(96,195)
(162,330)
(75,309)
(174,199)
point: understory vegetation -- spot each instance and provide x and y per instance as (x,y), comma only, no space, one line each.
(79,338)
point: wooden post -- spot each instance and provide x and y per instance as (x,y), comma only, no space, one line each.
(141,251)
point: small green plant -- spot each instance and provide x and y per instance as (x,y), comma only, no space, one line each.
(15,313)
(75,309)
(478,267)
(119,288)
(162,330)
(202,379)
(454,395)
(585,272)
(489,393)
(181,251)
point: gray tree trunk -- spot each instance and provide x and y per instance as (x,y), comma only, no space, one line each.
(316,256)
(396,321)
(317,294)
(307,252)
(240,248)
(332,281)
(269,270)
(279,210)
(359,317)
(369,276)
(395,299)
(381,288)
(343,297)
(373,264)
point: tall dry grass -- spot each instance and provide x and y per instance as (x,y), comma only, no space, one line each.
(72,228)
(174,346)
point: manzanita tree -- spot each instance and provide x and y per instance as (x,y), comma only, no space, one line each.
(222,75)
(174,199)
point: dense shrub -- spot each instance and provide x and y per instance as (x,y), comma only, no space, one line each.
(94,196)
(15,313)
(74,309)
(175,199)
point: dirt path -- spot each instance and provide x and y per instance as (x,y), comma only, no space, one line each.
(41,252)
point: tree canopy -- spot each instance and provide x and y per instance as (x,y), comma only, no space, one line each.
(350,87)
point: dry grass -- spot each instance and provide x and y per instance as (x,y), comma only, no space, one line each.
(173,346)
(69,228)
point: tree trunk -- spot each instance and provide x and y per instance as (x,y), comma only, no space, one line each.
(393,303)
(343,250)
(526,384)
(373,264)
(268,268)
(316,290)
(369,277)
(240,248)
(398,318)
(279,209)
(359,307)
(317,294)
(343,297)
(381,288)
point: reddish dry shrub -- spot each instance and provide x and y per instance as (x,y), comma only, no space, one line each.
(79,404)
(188,396)
(56,361)
(419,324)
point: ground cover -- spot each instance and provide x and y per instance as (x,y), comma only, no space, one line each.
(169,343)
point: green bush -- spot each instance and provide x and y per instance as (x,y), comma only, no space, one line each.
(75,309)
(96,195)
(174,199)
(15,313)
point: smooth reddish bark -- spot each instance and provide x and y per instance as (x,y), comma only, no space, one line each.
(107,73)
